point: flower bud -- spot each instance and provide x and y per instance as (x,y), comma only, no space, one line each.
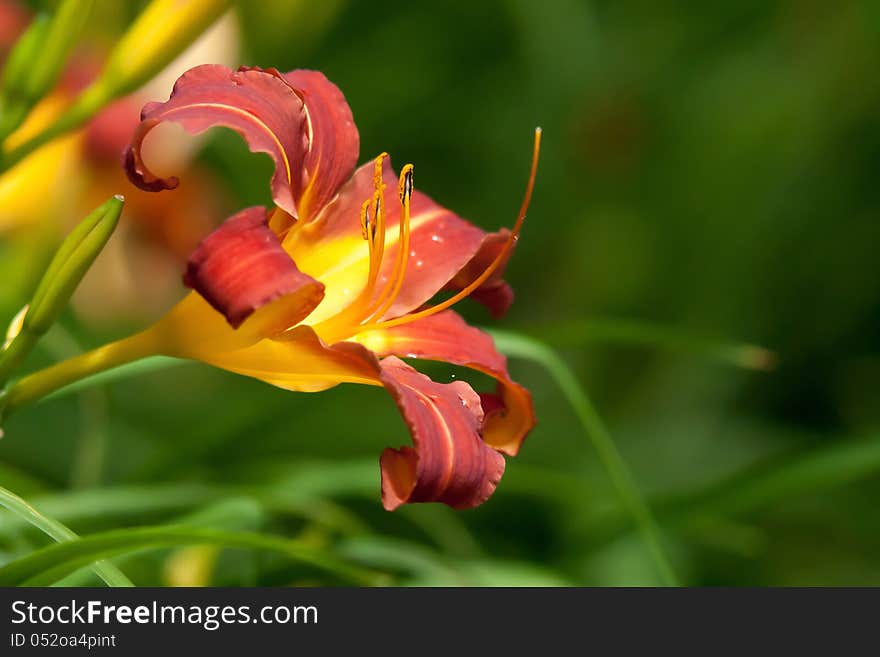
(14,104)
(62,34)
(25,51)
(73,259)
(37,61)
(160,33)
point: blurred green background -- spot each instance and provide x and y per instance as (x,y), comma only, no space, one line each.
(708,178)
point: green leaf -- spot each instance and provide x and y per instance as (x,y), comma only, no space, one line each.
(620,331)
(769,483)
(121,502)
(55,530)
(49,564)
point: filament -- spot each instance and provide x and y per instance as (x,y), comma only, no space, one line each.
(493,266)
(395,282)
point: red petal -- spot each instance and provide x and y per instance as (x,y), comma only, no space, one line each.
(241,267)
(334,144)
(509,415)
(305,131)
(495,293)
(448,462)
(13,21)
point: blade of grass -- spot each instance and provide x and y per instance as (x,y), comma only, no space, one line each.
(47,565)
(619,331)
(786,477)
(147,504)
(132,503)
(111,575)
(758,487)
(528,348)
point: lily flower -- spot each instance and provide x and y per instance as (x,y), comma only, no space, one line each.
(335,283)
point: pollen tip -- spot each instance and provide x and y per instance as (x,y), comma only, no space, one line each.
(406,183)
(365,219)
(377,171)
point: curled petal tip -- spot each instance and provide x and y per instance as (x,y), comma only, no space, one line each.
(300,119)
(508,413)
(135,172)
(449,462)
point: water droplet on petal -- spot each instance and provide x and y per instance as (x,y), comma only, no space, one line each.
(437,238)
(419,263)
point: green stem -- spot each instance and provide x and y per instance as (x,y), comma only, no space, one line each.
(35,386)
(89,103)
(622,331)
(525,347)
(11,117)
(15,353)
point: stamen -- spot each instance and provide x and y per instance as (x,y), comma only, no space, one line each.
(366,228)
(395,283)
(372,220)
(482,278)
(377,239)
(374,230)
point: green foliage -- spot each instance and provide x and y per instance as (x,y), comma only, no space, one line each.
(55,530)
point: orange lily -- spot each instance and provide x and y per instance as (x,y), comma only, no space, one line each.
(332,285)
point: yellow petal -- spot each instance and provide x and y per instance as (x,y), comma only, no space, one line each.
(193,328)
(300,362)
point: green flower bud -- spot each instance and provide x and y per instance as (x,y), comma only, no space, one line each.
(37,61)
(25,51)
(72,260)
(162,31)
(61,36)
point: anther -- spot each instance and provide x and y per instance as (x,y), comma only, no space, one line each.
(405,186)
(377,211)
(377,170)
(365,220)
